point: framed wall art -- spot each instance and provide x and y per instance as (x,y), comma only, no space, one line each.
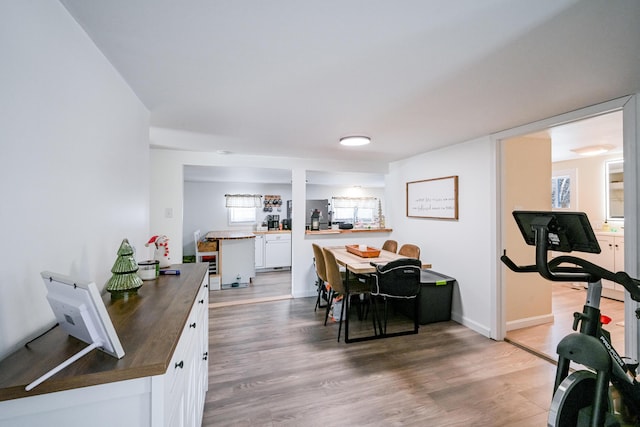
(433,198)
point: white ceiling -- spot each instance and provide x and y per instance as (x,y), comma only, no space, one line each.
(603,130)
(279,176)
(290,77)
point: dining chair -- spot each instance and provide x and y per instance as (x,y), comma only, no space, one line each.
(339,285)
(399,279)
(200,256)
(324,290)
(390,245)
(410,251)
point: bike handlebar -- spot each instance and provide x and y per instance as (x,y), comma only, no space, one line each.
(584,272)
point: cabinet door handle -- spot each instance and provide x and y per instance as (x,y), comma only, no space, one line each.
(179,365)
(205,356)
(192,325)
(201,301)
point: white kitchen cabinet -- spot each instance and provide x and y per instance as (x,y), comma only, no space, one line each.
(259,251)
(186,381)
(141,389)
(611,258)
(277,250)
(237,263)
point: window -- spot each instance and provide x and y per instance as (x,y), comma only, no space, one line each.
(563,194)
(242,207)
(355,209)
(237,215)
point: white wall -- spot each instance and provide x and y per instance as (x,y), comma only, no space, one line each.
(75,162)
(461,249)
(167,191)
(204,207)
(590,176)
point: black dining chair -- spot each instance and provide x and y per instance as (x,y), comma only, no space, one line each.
(399,279)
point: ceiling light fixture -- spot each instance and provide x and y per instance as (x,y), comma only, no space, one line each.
(355,140)
(593,150)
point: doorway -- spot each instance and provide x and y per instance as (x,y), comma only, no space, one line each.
(587,193)
(204,207)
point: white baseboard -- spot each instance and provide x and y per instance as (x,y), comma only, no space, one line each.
(474,326)
(530,321)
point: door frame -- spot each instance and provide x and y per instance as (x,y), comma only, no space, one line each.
(631,110)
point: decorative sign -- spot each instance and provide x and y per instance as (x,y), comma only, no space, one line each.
(433,198)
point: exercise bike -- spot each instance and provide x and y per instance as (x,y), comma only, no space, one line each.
(581,398)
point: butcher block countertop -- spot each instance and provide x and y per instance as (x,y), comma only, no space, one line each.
(353,230)
(229,235)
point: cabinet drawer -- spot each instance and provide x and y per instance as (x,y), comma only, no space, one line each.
(277,237)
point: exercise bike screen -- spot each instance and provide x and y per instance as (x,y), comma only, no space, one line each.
(568,231)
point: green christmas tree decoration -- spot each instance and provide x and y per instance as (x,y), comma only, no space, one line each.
(125,277)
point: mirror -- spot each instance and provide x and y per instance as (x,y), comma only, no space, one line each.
(614,189)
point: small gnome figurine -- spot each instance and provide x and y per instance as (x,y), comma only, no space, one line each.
(161,253)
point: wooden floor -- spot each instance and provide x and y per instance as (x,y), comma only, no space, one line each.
(275,364)
(269,285)
(566,300)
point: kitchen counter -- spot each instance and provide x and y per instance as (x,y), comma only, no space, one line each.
(619,233)
(273,232)
(236,261)
(228,235)
(353,230)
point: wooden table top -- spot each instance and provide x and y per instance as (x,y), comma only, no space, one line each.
(149,325)
(360,265)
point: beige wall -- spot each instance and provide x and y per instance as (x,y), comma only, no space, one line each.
(527,186)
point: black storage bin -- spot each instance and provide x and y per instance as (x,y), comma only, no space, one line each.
(435,298)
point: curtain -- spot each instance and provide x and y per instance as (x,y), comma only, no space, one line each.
(355,202)
(243,200)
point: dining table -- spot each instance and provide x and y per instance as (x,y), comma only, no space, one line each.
(361,265)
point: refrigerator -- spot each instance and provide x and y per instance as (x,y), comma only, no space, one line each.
(322,205)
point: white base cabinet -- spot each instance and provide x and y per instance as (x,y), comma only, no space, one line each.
(187,379)
(277,250)
(273,250)
(259,249)
(237,263)
(173,399)
(611,257)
